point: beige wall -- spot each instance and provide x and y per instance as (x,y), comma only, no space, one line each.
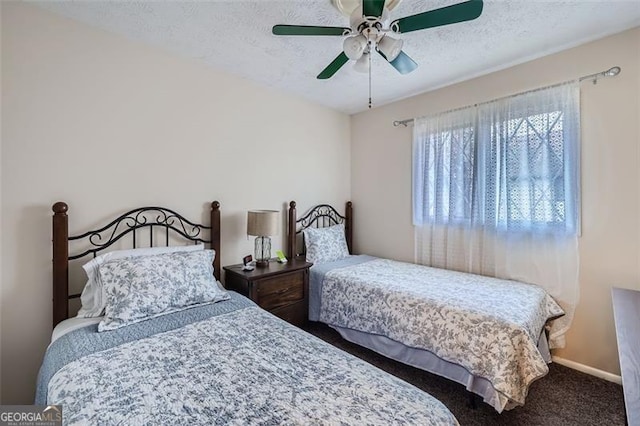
(610,242)
(108,124)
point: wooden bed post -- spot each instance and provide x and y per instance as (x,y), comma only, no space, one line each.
(215,237)
(348,225)
(60,262)
(291,235)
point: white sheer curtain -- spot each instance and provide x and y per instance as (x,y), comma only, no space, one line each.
(496,192)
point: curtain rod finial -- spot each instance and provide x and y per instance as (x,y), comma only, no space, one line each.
(613,71)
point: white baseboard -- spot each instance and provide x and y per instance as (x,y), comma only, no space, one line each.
(589,370)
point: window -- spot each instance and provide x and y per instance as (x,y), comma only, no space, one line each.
(510,164)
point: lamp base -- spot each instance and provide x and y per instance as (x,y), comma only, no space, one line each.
(262,263)
(263,251)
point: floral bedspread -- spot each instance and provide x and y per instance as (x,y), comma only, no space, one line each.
(487,325)
(239,368)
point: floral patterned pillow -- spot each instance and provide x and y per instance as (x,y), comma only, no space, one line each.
(140,288)
(325,244)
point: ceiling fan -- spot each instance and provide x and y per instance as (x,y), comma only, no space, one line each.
(370,28)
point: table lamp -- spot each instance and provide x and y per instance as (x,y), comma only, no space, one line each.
(262,224)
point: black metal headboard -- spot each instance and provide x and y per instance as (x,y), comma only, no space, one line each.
(166,220)
(320,216)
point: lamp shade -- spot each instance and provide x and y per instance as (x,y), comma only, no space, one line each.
(262,223)
(362,64)
(390,47)
(354,46)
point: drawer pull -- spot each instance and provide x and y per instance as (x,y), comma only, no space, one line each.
(284,290)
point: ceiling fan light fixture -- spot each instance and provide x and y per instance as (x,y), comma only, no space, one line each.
(346,7)
(390,47)
(362,65)
(354,46)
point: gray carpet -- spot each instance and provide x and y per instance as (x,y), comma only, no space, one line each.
(563,397)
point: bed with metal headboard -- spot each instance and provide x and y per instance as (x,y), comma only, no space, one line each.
(485,333)
(131,223)
(320,216)
(218,360)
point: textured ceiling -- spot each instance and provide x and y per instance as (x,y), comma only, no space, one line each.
(235,35)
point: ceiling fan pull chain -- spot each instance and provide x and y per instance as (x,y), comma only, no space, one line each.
(369,75)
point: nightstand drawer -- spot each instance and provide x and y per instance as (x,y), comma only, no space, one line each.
(281,291)
(295,314)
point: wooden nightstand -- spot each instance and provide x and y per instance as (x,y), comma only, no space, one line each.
(282,289)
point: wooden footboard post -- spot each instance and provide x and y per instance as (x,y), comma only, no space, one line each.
(348,225)
(215,237)
(60,262)
(291,235)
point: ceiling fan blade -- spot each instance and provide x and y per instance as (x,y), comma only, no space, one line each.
(309,30)
(434,18)
(403,63)
(333,67)
(372,7)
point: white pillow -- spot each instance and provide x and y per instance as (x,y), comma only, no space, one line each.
(145,287)
(92,298)
(325,244)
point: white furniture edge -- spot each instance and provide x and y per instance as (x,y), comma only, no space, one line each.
(626,313)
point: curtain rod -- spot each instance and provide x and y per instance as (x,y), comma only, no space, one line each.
(611,72)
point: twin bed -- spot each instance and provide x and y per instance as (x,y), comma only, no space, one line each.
(485,333)
(162,343)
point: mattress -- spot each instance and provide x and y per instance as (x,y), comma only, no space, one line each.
(71,324)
